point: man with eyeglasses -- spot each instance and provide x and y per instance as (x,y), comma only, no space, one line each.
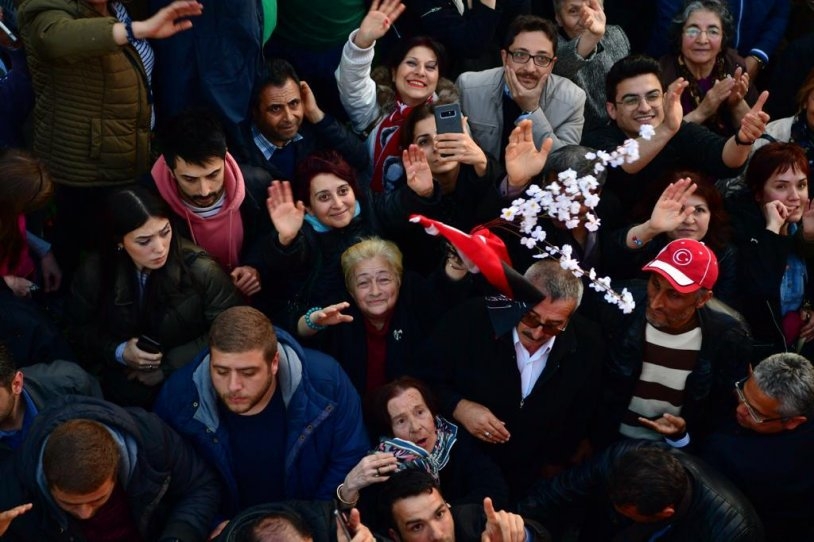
(521,376)
(767,446)
(635,97)
(496,100)
(675,357)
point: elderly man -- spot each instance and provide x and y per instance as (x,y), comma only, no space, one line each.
(674,355)
(276,421)
(95,471)
(524,88)
(521,377)
(767,445)
(287,125)
(635,97)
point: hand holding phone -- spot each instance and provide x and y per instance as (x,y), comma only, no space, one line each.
(148,344)
(448,119)
(342,522)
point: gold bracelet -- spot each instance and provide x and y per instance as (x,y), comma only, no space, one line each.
(339,496)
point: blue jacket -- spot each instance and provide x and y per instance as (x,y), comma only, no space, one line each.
(325,437)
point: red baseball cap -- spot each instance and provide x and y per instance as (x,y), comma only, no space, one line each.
(687,265)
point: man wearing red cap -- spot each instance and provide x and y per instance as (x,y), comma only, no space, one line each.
(674,355)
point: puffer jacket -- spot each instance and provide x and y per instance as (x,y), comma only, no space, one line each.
(92,112)
(171,492)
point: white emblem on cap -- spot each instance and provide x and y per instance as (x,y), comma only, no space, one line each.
(682,256)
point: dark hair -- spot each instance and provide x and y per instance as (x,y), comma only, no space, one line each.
(79,456)
(628,67)
(402,47)
(651,479)
(402,485)
(805,90)
(531,23)
(194,135)
(277,524)
(7,367)
(676,29)
(380,418)
(419,113)
(774,158)
(277,72)
(573,157)
(719,231)
(330,162)
(240,329)
(25,185)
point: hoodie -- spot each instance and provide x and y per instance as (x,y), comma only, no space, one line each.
(220,235)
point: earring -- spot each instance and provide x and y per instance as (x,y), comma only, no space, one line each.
(119,247)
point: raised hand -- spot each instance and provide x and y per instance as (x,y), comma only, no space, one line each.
(721,91)
(740,88)
(754,122)
(286,214)
(417,169)
(808,220)
(168,21)
(356,528)
(670,211)
(310,107)
(332,315)
(460,147)
(673,112)
(480,422)
(776,214)
(371,469)
(668,425)
(592,18)
(501,526)
(380,16)
(7,516)
(523,160)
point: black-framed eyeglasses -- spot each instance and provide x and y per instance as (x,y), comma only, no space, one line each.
(653,98)
(530,319)
(757,417)
(522,57)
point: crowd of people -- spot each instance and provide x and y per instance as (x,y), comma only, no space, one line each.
(260,282)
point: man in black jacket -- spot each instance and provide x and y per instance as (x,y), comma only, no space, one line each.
(96,471)
(637,491)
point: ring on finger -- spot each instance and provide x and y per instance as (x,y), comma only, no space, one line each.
(378,472)
(487,434)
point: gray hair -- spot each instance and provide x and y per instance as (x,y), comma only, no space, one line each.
(558,4)
(553,281)
(573,157)
(788,378)
(691,6)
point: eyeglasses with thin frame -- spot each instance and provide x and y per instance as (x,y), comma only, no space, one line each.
(712,33)
(530,319)
(749,408)
(632,101)
(522,57)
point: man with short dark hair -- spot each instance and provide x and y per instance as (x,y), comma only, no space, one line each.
(638,490)
(205,188)
(412,505)
(98,472)
(25,392)
(636,97)
(278,139)
(766,447)
(277,421)
(675,357)
(496,100)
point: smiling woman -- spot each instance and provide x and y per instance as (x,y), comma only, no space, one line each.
(143,308)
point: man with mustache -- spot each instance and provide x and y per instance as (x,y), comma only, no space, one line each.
(675,355)
(215,206)
(496,100)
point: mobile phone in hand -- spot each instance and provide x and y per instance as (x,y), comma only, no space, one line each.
(343,523)
(448,119)
(148,344)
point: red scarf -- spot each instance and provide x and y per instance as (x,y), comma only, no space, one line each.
(387,166)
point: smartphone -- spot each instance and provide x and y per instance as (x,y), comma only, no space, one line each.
(149,345)
(7,31)
(448,119)
(343,523)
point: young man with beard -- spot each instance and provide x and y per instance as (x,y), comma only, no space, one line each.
(675,355)
(496,100)
(277,421)
(205,188)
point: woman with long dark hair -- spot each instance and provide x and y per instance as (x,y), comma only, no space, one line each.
(143,307)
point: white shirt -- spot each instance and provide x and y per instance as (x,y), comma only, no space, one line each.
(531,366)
